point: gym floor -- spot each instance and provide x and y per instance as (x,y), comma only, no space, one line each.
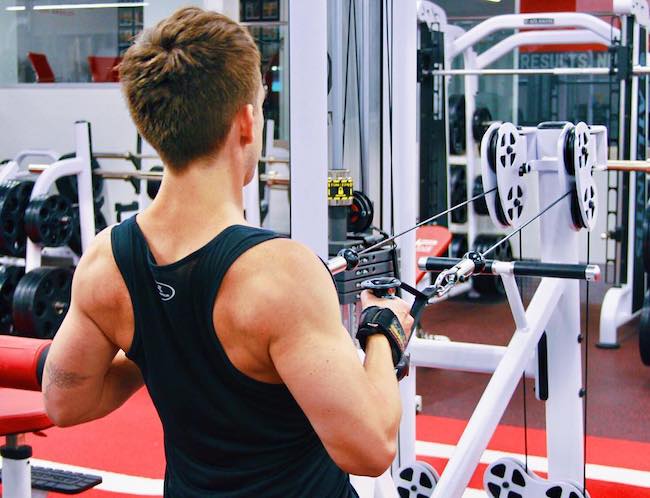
(126,447)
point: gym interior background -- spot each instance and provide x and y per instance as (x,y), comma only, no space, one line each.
(400,132)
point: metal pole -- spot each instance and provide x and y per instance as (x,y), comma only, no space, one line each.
(558,71)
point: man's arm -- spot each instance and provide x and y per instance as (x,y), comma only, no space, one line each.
(355,409)
(86,375)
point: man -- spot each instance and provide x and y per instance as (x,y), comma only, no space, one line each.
(235,332)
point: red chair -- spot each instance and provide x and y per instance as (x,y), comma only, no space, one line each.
(104,69)
(41,66)
(431,240)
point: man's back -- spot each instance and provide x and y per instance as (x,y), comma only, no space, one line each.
(223,430)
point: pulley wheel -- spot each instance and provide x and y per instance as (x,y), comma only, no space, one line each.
(14,196)
(9,278)
(456,113)
(579,160)
(509,478)
(491,285)
(481,121)
(417,480)
(480,205)
(644,331)
(67,185)
(41,301)
(75,239)
(48,220)
(458,193)
(512,188)
(360,213)
(153,186)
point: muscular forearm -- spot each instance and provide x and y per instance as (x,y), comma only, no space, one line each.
(381,373)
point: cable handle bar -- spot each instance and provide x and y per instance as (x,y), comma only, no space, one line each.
(590,273)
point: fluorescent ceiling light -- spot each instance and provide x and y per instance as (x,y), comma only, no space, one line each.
(89,6)
(16,8)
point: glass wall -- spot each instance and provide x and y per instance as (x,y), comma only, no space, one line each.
(48,41)
(495,93)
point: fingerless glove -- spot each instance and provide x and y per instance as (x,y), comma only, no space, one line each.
(376,320)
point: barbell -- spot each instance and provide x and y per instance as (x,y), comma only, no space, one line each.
(130,156)
(271,178)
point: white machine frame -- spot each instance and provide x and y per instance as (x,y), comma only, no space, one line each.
(554,308)
(459,43)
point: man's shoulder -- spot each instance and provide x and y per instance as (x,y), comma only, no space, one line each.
(97,278)
(275,283)
(279,260)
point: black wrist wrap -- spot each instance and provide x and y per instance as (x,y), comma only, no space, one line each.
(376,320)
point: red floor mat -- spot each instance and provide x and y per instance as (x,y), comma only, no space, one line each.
(129,441)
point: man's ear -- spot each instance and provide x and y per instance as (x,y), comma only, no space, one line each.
(246,121)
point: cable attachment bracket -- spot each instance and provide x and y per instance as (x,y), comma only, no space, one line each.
(471,263)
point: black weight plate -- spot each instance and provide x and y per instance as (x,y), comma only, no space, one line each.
(48,220)
(153,186)
(456,113)
(14,196)
(458,247)
(458,193)
(480,205)
(644,331)
(9,278)
(360,213)
(646,239)
(41,301)
(67,185)
(488,285)
(481,120)
(75,238)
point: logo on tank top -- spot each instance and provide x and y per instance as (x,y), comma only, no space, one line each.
(166,292)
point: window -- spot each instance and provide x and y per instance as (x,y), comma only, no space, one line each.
(66,41)
(260,10)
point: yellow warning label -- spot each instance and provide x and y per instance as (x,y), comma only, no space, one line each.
(340,189)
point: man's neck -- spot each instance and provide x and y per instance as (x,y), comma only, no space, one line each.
(208,190)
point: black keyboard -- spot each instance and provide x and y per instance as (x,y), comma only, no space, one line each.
(61,481)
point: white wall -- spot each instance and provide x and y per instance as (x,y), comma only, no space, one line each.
(157,11)
(42,116)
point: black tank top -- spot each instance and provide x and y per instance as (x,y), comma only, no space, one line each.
(226,434)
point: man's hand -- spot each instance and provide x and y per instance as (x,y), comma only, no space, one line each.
(400,307)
